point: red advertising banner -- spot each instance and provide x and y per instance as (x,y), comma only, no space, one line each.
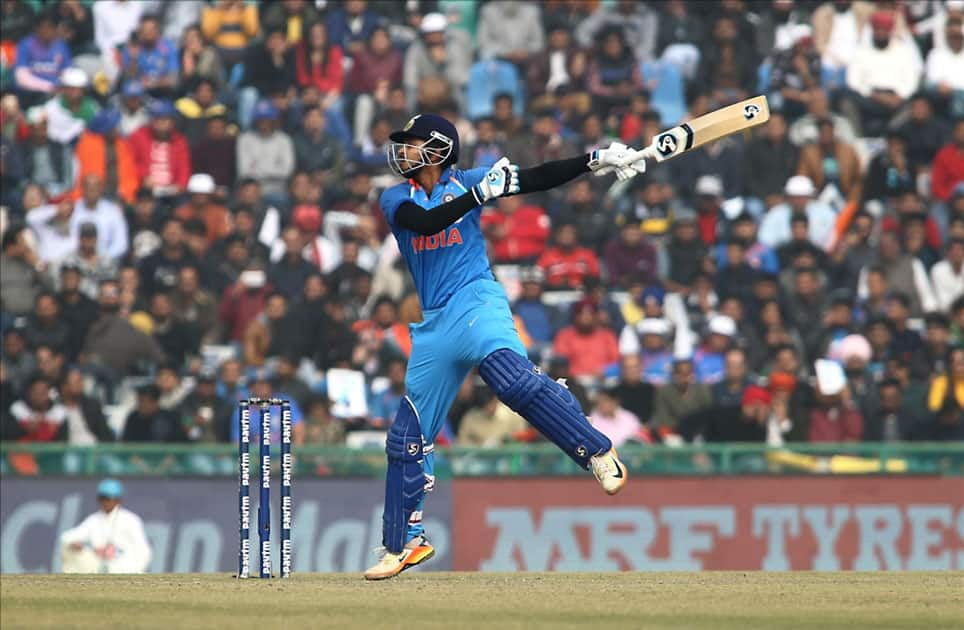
(736,523)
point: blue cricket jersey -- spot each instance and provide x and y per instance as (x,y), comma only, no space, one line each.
(442,263)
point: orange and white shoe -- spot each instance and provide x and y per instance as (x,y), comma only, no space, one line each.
(609,471)
(417,551)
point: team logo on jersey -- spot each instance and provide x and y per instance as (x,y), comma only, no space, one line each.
(410,122)
(750,111)
(666,144)
(447,197)
(445,238)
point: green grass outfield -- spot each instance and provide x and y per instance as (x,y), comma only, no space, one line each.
(476,600)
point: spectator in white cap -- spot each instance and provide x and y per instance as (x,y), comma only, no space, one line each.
(649,340)
(70,111)
(47,163)
(440,53)
(796,71)
(799,192)
(708,360)
(708,203)
(202,207)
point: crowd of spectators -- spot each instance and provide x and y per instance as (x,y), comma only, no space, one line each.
(190,214)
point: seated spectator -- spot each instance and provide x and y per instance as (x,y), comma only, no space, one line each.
(708,360)
(890,419)
(800,192)
(631,256)
(44,326)
(947,276)
(903,273)
(945,402)
(440,53)
(883,72)
(348,271)
(113,345)
(320,426)
(151,59)
(771,159)
(230,25)
(593,220)
(105,215)
(195,108)
(727,69)
(829,161)
(173,390)
(511,31)
(215,153)
(206,415)
(518,231)
(924,133)
(261,387)
(266,154)
(589,347)
(266,335)
(201,207)
(78,309)
(269,66)
(947,172)
(37,417)
(132,108)
(54,229)
(377,67)
(613,74)
(633,392)
(176,339)
(684,253)
(648,340)
(384,404)
(161,153)
(541,320)
(40,59)
(937,343)
(383,335)
(149,423)
(736,276)
(853,251)
(835,418)
(489,424)
(20,279)
(795,72)
(286,380)
(565,264)
(159,270)
(47,163)
(195,306)
(889,174)
(201,61)
(679,398)
(318,62)
(615,422)
(804,130)
(114,23)
(728,392)
(101,151)
(758,256)
(316,151)
(85,420)
(800,245)
(944,75)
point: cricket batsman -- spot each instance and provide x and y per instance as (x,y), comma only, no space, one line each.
(467,323)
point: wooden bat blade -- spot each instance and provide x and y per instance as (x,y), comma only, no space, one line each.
(709,127)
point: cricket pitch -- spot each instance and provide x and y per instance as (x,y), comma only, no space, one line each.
(488,600)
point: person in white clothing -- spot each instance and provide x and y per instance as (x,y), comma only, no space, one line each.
(799,191)
(883,74)
(111,540)
(947,276)
(93,207)
(55,229)
(945,67)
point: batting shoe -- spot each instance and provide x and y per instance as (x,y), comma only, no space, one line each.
(417,551)
(609,471)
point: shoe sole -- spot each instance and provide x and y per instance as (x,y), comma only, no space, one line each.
(420,555)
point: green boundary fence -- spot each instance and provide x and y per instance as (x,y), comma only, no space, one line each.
(522,460)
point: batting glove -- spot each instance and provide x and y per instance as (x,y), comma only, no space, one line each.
(501,180)
(616,159)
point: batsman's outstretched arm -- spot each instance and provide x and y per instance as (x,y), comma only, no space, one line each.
(601,162)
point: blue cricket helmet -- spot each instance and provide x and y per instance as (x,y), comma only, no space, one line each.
(441,144)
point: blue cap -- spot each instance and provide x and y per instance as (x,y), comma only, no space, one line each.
(653,292)
(161,109)
(110,488)
(104,121)
(264,110)
(132,88)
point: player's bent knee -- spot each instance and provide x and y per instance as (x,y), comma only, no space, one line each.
(405,479)
(545,404)
(404,440)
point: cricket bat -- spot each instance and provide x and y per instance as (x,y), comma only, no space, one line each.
(707,128)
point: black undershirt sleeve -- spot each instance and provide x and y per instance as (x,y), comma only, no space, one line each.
(412,216)
(552,174)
